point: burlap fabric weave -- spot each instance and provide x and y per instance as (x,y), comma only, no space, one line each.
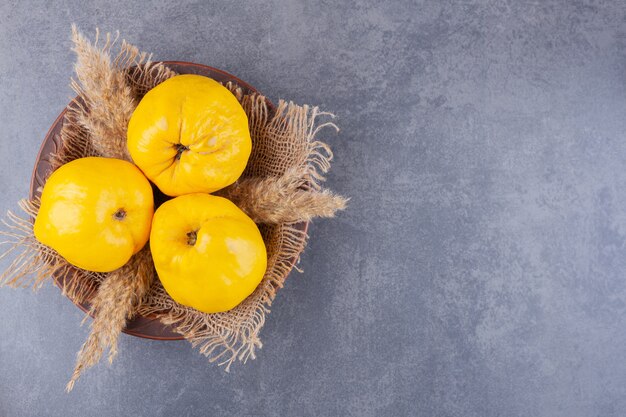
(280,187)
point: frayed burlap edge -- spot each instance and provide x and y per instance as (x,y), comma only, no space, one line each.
(35,263)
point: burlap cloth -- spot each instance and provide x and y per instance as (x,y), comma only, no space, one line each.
(280,187)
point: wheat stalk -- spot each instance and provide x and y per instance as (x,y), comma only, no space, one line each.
(103,108)
(284,199)
(115,302)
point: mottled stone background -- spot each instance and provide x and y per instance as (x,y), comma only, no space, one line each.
(479,270)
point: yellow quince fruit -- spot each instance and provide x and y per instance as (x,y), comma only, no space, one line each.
(95,212)
(189,134)
(208,254)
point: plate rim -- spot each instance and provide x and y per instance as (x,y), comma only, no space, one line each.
(139,322)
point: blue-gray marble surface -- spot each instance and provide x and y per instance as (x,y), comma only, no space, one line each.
(479,269)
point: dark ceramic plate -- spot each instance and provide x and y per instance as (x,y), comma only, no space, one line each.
(142,326)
